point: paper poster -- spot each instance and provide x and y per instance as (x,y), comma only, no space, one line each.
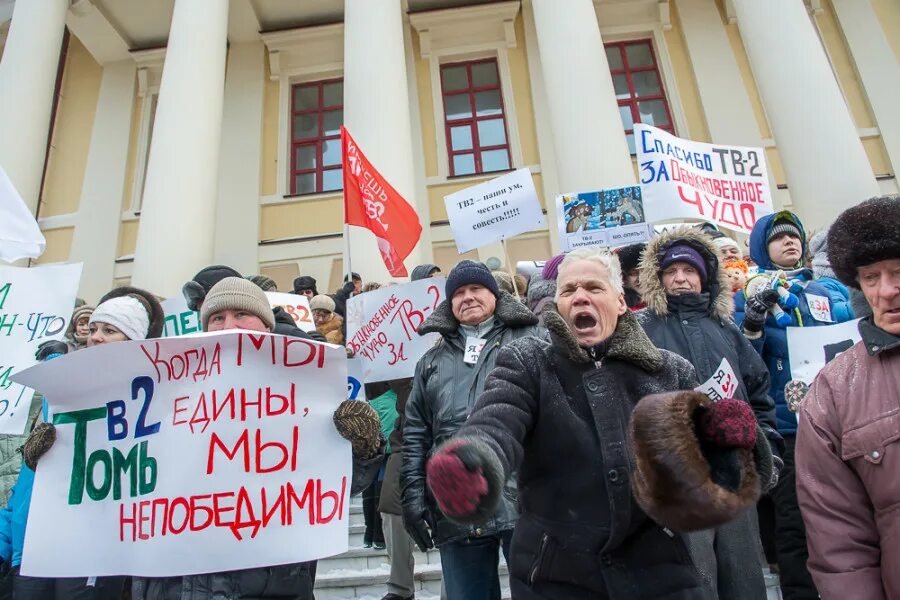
(180,320)
(35,306)
(192,454)
(20,235)
(811,348)
(494,210)
(355,386)
(722,384)
(382,327)
(683,179)
(613,217)
(295,305)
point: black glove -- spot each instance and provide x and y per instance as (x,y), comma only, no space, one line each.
(417,528)
(757,308)
(50,347)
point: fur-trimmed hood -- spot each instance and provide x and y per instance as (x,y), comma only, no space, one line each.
(654,294)
(509,310)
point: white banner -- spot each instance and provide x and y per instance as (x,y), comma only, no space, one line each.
(382,326)
(295,305)
(35,306)
(683,179)
(181,321)
(811,348)
(494,210)
(355,387)
(20,236)
(195,454)
(613,217)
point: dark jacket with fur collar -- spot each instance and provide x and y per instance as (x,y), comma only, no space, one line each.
(444,392)
(560,420)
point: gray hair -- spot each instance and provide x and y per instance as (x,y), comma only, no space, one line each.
(600,256)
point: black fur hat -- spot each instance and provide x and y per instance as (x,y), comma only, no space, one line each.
(154,308)
(865,234)
(630,256)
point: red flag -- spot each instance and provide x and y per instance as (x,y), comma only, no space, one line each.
(371,202)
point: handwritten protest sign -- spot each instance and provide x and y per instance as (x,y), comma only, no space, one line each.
(682,179)
(355,370)
(721,384)
(35,306)
(193,454)
(295,305)
(180,320)
(382,326)
(811,348)
(611,217)
(494,210)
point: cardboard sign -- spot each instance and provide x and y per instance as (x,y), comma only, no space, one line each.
(612,217)
(295,305)
(20,235)
(811,348)
(197,454)
(494,210)
(682,179)
(35,306)
(722,384)
(180,320)
(382,327)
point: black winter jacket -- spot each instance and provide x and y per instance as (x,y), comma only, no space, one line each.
(443,395)
(560,420)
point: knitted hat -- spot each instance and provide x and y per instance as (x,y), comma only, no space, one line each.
(686,254)
(468,272)
(125,313)
(783,226)
(321,302)
(504,281)
(305,282)
(864,234)
(539,289)
(630,256)
(236,293)
(726,241)
(266,284)
(358,422)
(84,310)
(423,271)
(551,267)
(150,303)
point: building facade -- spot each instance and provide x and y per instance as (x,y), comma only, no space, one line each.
(152,138)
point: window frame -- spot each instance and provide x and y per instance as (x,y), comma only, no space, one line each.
(318,141)
(472,122)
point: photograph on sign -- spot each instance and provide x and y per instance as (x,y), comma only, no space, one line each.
(612,217)
(495,210)
(683,179)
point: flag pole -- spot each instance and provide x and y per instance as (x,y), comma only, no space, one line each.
(347,241)
(510,267)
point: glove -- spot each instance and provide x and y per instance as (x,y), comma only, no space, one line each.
(39,441)
(358,423)
(455,475)
(728,423)
(47,349)
(757,308)
(417,528)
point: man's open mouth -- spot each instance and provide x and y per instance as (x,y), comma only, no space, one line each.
(584,322)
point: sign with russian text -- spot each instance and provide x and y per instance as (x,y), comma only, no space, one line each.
(721,384)
(382,327)
(495,210)
(682,179)
(613,217)
(180,320)
(193,454)
(811,348)
(35,306)
(296,306)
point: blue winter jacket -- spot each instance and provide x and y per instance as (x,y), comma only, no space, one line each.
(841,310)
(772,346)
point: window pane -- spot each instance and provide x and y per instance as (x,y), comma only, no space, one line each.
(461,137)
(484,74)
(614,58)
(333,93)
(620,83)
(653,112)
(487,103)
(332,179)
(306,97)
(306,126)
(306,157)
(494,160)
(457,106)
(646,83)
(463,164)
(454,78)
(629,137)
(305,184)
(638,55)
(625,113)
(332,121)
(491,132)
(331,152)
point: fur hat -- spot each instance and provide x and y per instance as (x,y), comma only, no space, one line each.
(321,302)
(236,293)
(468,272)
(266,284)
(686,484)
(630,256)
(865,234)
(195,290)
(504,281)
(305,282)
(157,317)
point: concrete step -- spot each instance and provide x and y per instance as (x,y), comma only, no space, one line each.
(369,558)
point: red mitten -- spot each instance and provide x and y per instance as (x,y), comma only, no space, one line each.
(728,423)
(455,475)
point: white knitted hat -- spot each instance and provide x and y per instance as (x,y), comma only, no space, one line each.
(127,314)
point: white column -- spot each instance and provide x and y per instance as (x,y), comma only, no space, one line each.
(175,237)
(237,208)
(27,80)
(591,150)
(100,210)
(826,167)
(376,112)
(877,67)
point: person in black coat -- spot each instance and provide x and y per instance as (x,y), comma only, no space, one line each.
(689,307)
